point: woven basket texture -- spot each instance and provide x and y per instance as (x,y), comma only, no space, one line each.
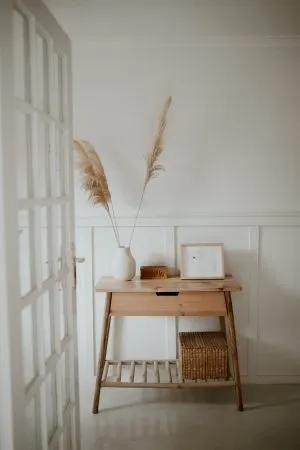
(203,355)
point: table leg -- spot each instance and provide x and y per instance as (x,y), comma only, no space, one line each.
(102,351)
(222,324)
(234,352)
(223,329)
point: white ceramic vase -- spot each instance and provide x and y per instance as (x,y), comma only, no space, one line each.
(124,266)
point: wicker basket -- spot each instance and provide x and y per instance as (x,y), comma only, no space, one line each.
(203,355)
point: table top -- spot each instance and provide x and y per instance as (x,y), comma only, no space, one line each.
(109,284)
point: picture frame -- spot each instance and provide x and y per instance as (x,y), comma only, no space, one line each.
(202,261)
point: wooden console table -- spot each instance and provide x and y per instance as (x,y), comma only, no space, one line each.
(166,297)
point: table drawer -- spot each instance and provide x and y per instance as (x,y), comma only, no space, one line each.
(168,304)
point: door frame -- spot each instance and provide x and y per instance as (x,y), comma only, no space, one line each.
(12,423)
(11,390)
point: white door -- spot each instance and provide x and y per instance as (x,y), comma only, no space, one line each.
(39,391)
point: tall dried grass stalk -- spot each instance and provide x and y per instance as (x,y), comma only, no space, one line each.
(94,181)
(153,168)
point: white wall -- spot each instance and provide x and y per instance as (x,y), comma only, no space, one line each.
(232,137)
(231,153)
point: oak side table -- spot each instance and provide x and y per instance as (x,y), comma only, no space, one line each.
(166,297)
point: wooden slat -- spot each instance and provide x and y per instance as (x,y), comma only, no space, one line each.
(157,384)
(156,372)
(188,384)
(131,375)
(168,369)
(183,304)
(109,284)
(127,362)
(178,372)
(144,376)
(119,372)
(105,371)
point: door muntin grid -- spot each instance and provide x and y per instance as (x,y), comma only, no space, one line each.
(21,51)
(46,276)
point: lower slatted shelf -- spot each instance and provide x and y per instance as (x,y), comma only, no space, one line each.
(154,373)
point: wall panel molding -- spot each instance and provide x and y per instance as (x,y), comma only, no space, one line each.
(186,41)
(202,219)
(248,238)
(254,246)
(278,306)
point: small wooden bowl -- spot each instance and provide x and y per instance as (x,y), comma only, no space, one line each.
(153,272)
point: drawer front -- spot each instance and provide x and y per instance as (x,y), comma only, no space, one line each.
(168,304)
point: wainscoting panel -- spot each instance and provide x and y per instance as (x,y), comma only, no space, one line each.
(131,337)
(278,349)
(239,260)
(261,251)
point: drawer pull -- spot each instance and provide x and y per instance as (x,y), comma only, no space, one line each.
(167,294)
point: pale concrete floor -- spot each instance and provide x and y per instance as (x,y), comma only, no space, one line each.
(204,419)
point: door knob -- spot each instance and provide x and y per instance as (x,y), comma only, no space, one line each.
(79,260)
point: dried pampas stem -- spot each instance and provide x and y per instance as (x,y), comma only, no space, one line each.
(115,222)
(153,168)
(94,180)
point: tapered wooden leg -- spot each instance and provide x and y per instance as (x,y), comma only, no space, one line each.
(223,329)
(222,324)
(102,351)
(234,352)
